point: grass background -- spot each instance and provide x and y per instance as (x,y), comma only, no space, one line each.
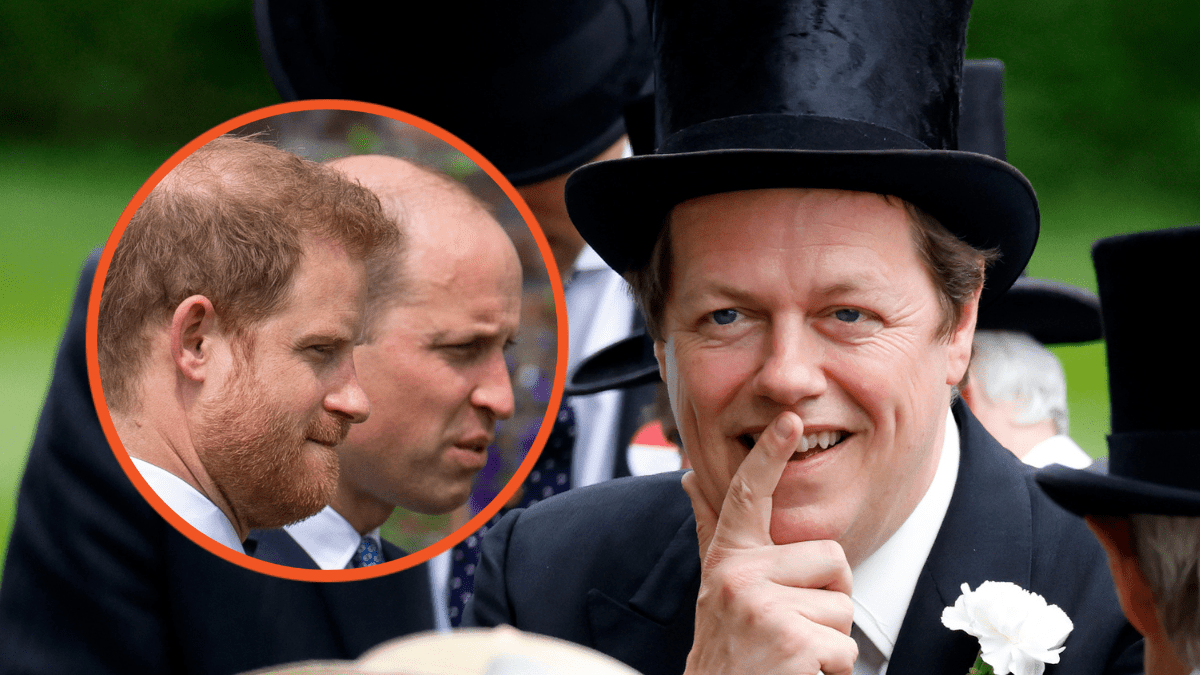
(1103,117)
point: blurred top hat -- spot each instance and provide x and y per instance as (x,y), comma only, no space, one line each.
(1051,311)
(626,363)
(538,88)
(1147,283)
(841,94)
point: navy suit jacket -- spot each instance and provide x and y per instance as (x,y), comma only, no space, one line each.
(616,567)
(95,581)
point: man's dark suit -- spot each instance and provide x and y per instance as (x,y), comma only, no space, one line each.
(96,582)
(616,567)
(277,546)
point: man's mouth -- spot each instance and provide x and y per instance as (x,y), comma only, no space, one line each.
(810,444)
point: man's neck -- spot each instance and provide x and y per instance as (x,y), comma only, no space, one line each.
(162,440)
(363,511)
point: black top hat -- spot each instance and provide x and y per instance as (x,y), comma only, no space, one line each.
(840,94)
(1052,312)
(1147,288)
(537,87)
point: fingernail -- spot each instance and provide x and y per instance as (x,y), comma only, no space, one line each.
(784,426)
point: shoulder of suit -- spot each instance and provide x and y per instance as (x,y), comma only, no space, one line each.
(647,508)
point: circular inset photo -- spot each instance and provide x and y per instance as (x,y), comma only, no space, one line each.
(327,340)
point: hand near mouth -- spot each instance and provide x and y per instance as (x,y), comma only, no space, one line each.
(765,608)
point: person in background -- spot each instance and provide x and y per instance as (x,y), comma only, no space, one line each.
(539,89)
(1146,509)
(1016,386)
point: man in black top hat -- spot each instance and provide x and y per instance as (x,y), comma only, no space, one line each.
(1016,386)
(809,251)
(1146,509)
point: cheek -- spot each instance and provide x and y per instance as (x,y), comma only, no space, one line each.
(705,386)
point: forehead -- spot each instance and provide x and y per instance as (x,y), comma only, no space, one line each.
(326,295)
(461,266)
(829,236)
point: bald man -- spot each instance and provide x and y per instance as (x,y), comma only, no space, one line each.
(439,317)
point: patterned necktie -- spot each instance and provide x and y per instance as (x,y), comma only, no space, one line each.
(552,473)
(550,476)
(367,554)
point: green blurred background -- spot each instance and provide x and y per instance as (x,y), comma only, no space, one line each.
(1103,117)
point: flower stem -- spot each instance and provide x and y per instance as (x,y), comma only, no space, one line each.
(981,667)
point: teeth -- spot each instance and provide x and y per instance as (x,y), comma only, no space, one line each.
(823,440)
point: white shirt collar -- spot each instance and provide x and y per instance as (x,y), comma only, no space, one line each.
(885,581)
(589,261)
(329,539)
(190,504)
(1057,449)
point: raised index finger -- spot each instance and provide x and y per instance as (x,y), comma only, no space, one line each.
(745,519)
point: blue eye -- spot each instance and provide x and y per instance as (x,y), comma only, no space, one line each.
(724,317)
(848,315)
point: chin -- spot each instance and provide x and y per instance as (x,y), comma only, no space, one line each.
(789,526)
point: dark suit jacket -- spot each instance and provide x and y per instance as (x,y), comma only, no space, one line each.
(616,567)
(96,582)
(277,546)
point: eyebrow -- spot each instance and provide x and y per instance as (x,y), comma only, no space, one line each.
(324,334)
(738,295)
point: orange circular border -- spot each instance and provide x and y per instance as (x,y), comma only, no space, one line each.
(411,559)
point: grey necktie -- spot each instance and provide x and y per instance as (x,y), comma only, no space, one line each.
(870,659)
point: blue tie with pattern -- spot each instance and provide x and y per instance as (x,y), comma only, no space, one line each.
(550,476)
(367,554)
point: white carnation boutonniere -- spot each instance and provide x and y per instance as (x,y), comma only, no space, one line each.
(1018,631)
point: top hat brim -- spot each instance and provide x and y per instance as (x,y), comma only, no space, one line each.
(626,363)
(1051,311)
(1084,493)
(620,206)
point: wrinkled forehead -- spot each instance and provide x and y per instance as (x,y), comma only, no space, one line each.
(841,234)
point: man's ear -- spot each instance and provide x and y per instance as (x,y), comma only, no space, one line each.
(1137,600)
(660,353)
(961,341)
(193,327)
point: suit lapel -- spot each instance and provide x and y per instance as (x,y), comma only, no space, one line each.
(660,614)
(986,535)
(277,546)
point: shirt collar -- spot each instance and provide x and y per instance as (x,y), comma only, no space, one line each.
(589,261)
(329,539)
(190,504)
(885,581)
(1057,449)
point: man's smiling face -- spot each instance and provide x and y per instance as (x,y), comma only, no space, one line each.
(813,301)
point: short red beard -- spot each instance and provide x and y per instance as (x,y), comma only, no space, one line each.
(257,456)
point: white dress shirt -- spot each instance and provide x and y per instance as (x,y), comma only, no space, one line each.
(1058,449)
(599,312)
(329,539)
(885,581)
(190,504)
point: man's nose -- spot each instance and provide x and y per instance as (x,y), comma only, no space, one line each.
(494,390)
(792,365)
(347,398)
